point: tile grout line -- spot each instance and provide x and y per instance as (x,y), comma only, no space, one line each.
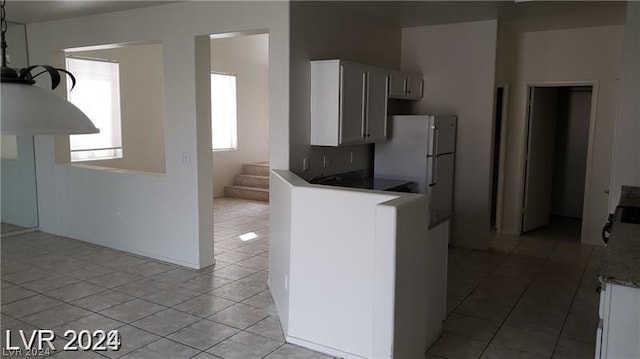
(519,297)
(564,322)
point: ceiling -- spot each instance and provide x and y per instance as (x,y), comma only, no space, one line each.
(529,14)
(38,11)
(522,13)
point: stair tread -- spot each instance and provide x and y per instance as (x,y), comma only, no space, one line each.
(252,176)
(249,188)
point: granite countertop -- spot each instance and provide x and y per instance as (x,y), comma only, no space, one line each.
(621,261)
(630,197)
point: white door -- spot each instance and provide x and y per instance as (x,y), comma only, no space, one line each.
(414,87)
(440,176)
(443,135)
(376,105)
(353,79)
(397,85)
(540,151)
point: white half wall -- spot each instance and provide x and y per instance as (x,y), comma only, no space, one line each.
(458,65)
(168,216)
(564,57)
(247,57)
(356,275)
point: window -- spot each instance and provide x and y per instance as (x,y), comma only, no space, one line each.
(97,94)
(223,112)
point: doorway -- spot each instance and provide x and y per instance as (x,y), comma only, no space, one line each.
(557,142)
(240,115)
(239,84)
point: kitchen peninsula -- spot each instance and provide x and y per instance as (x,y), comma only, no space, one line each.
(357,274)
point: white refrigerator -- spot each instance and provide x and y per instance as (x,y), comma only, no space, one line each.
(421,148)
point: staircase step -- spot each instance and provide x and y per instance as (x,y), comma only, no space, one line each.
(246,192)
(252,181)
(258,169)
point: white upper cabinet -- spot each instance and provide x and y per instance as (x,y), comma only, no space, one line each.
(377,81)
(348,103)
(405,86)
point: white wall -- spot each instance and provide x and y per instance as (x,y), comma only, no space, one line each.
(164,216)
(570,158)
(141,107)
(565,56)
(248,58)
(280,195)
(626,158)
(458,64)
(17,175)
(320,31)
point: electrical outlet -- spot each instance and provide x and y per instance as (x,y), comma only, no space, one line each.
(119,217)
(185,158)
(305,164)
(325,162)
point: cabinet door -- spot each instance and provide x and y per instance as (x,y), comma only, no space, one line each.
(397,85)
(414,87)
(353,78)
(376,105)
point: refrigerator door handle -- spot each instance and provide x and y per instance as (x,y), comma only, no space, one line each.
(436,141)
(434,171)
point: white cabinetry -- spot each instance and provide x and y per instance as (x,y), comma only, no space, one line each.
(348,103)
(619,327)
(405,86)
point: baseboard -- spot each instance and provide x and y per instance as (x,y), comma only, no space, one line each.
(17,233)
(324,349)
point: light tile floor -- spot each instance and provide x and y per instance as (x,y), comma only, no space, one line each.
(527,297)
(161,310)
(532,296)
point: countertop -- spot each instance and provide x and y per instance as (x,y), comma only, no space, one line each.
(379,184)
(356,180)
(621,261)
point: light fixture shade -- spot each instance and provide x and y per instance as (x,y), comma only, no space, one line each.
(31,110)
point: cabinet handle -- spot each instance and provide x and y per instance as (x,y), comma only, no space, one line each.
(386,104)
(365,95)
(341,104)
(436,140)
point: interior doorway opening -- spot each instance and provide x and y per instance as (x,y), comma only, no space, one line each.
(558,122)
(239,84)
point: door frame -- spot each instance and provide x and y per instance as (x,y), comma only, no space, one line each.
(525,150)
(504,122)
